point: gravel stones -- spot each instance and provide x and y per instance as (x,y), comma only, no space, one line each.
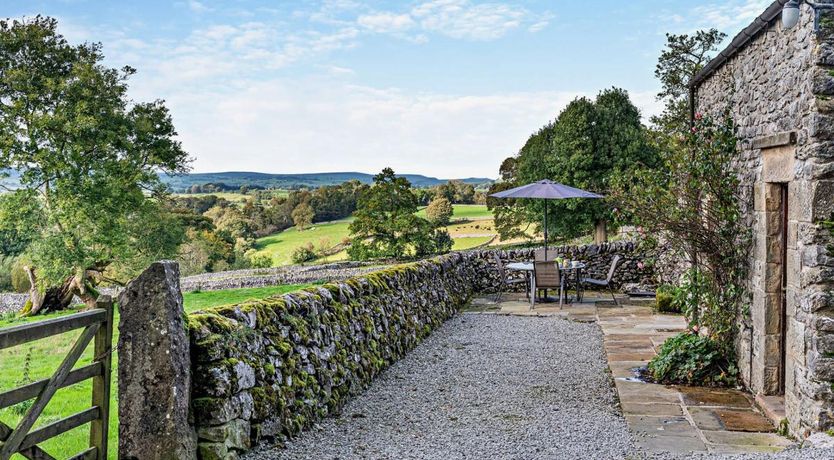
(481,386)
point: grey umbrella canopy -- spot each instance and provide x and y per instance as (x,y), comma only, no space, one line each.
(545,190)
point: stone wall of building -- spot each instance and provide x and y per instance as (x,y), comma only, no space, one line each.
(779,90)
(269,368)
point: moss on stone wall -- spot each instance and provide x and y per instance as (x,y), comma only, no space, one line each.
(276,365)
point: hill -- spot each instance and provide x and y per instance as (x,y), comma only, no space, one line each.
(235,179)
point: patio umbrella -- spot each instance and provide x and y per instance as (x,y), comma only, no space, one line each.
(545,190)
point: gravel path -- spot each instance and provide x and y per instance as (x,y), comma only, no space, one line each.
(482,387)
(489,387)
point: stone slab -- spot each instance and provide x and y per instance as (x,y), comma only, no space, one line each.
(654,409)
(661,425)
(714,397)
(676,444)
(736,438)
(730,420)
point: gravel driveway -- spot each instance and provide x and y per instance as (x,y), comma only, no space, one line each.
(489,387)
(482,387)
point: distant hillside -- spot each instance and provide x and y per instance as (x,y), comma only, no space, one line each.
(233,180)
(236,179)
(9,178)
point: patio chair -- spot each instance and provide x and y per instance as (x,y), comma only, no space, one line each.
(539,255)
(504,280)
(607,281)
(548,277)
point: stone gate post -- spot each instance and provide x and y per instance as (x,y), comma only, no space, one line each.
(154,368)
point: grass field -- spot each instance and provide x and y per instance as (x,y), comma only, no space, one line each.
(234,197)
(472,225)
(465,212)
(280,245)
(46,355)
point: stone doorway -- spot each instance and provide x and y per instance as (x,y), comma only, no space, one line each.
(774,348)
(772,360)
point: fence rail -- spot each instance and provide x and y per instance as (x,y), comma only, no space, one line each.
(97,325)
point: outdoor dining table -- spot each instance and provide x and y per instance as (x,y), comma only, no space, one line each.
(571,271)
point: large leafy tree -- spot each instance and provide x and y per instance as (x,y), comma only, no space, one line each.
(386,225)
(684,56)
(88,159)
(589,143)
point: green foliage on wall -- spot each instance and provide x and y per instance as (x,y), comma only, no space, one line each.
(694,203)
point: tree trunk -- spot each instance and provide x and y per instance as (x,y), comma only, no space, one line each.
(601,232)
(55,298)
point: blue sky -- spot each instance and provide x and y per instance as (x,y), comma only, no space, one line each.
(446,88)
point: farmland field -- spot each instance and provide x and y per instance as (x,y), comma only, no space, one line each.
(466,212)
(472,224)
(280,245)
(45,356)
(234,197)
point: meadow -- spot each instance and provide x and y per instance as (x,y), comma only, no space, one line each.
(234,197)
(38,360)
(471,227)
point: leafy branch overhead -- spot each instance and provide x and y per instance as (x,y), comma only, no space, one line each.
(88,160)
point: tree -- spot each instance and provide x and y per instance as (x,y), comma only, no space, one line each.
(684,56)
(439,212)
(590,142)
(89,158)
(302,215)
(694,203)
(386,224)
(18,210)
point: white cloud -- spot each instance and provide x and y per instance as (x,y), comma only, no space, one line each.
(541,23)
(197,7)
(386,22)
(337,70)
(463,19)
(729,15)
(293,126)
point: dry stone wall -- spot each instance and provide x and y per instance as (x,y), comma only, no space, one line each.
(269,368)
(633,268)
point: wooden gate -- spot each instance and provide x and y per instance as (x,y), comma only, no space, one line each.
(97,325)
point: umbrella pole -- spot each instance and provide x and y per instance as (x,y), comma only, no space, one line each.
(545,229)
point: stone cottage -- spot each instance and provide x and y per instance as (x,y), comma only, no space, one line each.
(777,81)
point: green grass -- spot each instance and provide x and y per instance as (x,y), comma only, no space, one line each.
(280,245)
(461,244)
(229,196)
(465,212)
(46,355)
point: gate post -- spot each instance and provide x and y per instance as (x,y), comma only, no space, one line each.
(154,368)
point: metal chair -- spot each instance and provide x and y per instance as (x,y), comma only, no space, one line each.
(538,254)
(547,276)
(607,281)
(504,280)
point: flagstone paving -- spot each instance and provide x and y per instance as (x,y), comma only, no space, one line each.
(661,418)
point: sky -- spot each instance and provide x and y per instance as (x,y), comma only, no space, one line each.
(445,88)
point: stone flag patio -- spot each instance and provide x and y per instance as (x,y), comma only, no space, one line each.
(660,418)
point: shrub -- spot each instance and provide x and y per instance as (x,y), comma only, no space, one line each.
(692,359)
(668,299)
(665,303)
(260,261)
(305,253)
(6,264)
